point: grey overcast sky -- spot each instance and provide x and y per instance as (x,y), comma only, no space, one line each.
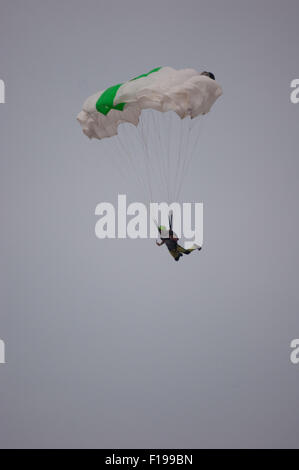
(110,343)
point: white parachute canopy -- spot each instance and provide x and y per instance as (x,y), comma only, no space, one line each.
(151,102)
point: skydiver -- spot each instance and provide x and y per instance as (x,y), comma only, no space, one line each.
(170,239)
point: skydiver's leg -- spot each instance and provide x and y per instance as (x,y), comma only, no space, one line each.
(175,254)
(181,249)
(187,251)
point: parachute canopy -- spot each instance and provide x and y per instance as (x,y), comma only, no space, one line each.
(186,92)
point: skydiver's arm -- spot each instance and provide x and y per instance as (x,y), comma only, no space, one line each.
(160,244)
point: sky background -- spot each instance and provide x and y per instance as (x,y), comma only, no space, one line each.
(110,344)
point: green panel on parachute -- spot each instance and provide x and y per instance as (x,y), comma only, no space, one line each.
(146,74)
(106,101)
